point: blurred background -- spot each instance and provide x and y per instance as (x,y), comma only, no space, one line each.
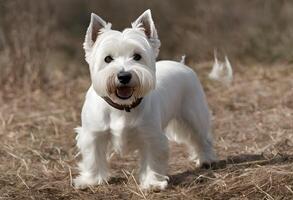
(40,40)
(44,77)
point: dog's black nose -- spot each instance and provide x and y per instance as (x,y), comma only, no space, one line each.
(124,77)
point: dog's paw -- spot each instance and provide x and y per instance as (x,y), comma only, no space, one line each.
(82,182)
(154,185)
(154,181)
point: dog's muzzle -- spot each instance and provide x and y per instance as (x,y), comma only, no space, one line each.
(124,91)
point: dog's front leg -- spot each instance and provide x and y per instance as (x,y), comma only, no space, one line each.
(154,162)
(93,166)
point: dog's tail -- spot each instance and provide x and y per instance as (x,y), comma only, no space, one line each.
(222,71)
(183,59)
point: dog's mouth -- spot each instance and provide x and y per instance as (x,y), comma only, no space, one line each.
(124,92)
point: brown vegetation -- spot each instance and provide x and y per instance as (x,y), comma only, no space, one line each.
(43,81)
(252,130)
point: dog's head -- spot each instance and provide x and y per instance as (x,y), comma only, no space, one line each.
(122,64)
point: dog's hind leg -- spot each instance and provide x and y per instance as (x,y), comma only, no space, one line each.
(196,119)
(93,166)
(193,129)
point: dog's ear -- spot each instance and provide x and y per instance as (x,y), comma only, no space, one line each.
(97,26)
(145,21)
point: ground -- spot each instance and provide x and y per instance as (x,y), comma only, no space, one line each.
(253,134)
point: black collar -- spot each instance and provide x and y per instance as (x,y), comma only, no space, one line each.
(127,108)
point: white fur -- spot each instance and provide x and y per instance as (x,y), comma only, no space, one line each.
(173,102)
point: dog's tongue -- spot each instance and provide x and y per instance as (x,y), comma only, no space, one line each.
(124,92)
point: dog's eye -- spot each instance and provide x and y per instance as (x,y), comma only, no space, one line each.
(108,59)
(136,57)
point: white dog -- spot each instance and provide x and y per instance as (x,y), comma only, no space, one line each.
(134,102)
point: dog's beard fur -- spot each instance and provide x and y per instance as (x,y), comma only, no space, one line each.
(106,84)
(104,75)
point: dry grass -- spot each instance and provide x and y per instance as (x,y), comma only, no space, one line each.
(252,128)
(26,39)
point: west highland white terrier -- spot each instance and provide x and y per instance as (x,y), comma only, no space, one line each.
(136,104)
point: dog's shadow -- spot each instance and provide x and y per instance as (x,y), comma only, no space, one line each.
(232,162)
